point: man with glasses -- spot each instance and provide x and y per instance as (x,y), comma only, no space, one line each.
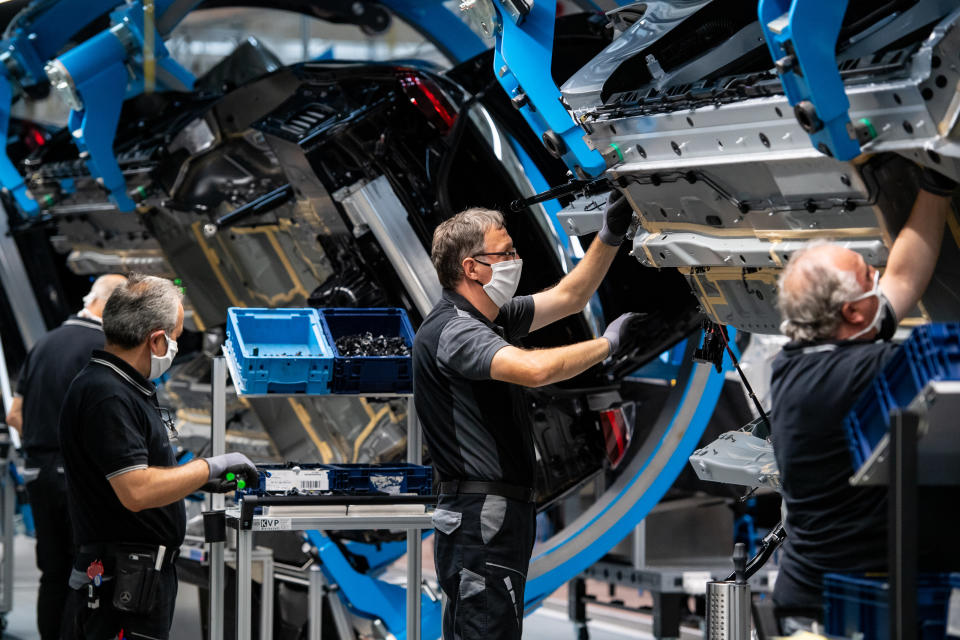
(466,373)
(840,314)
(124,486)
(50,367)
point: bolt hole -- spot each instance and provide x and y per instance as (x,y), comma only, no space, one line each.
(896,98)
(778,112)
(764,139)
(689,121)
(641,151)
(845,179)
(613,130)
(743,260)
(720,145)
(934,155)
(907,127)
(662,212)
(941,81)
(675,147)
(662,257)
(927,93)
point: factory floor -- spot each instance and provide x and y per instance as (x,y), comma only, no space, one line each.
(549,622)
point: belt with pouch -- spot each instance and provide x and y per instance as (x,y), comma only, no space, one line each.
(111,550)
(468,487)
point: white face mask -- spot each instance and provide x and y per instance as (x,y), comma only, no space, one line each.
(160,364)
(881,303)
(503,284)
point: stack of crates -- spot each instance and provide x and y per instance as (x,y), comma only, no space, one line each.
(292,351)
(932,352)
(859,604)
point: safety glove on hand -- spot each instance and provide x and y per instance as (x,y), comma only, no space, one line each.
(228,471)
(617,216)
(618,330)
(937,183)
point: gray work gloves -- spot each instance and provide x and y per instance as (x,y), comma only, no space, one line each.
(617,217)
(227,469)
(618,330)
(937,183)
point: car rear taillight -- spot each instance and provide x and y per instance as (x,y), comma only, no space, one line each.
(616,434)
(428,99)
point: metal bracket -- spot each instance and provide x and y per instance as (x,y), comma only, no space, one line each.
(802,37)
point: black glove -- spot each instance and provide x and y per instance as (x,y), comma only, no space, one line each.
(618,329)
(937,183)
(235,465)
(617,217)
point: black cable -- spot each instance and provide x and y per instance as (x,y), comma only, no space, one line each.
(743,376)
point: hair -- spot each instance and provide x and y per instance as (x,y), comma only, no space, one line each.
(105,285)
(458,238)
(141,306)
(811,293)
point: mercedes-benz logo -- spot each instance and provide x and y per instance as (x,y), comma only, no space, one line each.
(125,597)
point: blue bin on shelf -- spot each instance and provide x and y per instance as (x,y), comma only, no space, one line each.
(369,374)
(860,603)
(279,351)
(932,352)
(392,478)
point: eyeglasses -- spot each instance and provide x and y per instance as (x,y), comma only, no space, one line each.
(169,418)
(510,255)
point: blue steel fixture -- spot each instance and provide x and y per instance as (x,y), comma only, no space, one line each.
(802,37)
(35,35)
(521,62)
(94,78)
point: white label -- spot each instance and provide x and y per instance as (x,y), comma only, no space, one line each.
(695,582)
(387,484)
(271,524)
(284,480)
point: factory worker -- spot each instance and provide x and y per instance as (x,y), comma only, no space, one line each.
(839,313)
(466,376)
(50,367)
(124,486)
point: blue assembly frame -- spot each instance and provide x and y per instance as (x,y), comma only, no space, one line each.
(802,37)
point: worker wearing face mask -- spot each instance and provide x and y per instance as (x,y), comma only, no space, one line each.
(124,487)
(840,314)
(466,376)
(50,367)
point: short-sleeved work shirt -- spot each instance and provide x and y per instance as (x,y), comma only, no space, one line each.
(831,526)
(47,373)
(472,424)
(110,425)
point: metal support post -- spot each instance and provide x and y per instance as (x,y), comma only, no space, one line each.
(17,286)
(315,604)
(414,548)
(9,502)
(903,524)
(577,607)
(215,501)
(244,582)
(266,598)
(640,545)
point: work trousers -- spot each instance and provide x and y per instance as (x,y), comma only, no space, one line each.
(48,502)
(105,622)
(482,551)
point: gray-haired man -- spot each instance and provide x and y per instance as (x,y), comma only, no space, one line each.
(35,411)
(839,313)
(466,375)
(125,489)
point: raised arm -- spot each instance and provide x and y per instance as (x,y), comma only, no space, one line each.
(572,293)
(914,253)
(539,367)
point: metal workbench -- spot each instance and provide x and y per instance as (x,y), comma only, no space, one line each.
(319,516)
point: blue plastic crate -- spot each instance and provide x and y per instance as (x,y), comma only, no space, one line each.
(279,350)
(392,478)
(369,374)
(932,352)
(859,603)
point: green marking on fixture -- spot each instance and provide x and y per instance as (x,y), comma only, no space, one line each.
(48,200)
(142,191)
(617,149)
